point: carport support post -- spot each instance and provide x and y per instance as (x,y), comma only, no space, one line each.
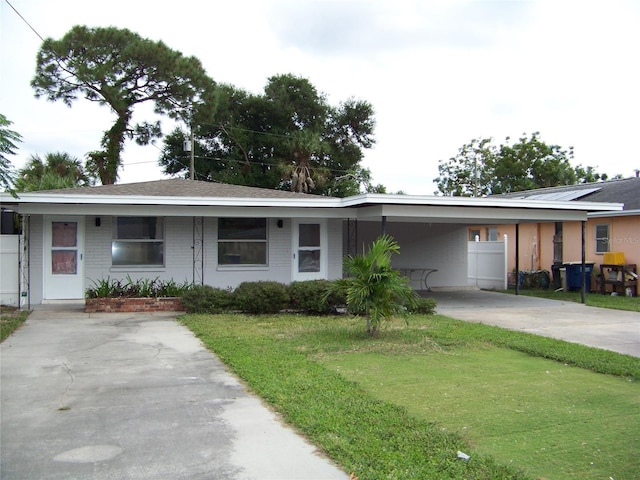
(583,290)
(384,225)
(517,259)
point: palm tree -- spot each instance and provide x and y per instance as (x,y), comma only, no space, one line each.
(57,170)
(374,287)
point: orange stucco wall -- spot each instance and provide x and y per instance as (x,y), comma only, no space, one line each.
(536,241)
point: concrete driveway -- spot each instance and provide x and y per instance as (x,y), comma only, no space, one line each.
(615,330)
(135,396)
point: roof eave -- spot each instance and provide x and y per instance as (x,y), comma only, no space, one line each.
(617,213)
(385,199)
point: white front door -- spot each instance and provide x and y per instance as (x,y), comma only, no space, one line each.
(64,258)
(309,250)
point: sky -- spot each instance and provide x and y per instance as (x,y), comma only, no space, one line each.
(438,73)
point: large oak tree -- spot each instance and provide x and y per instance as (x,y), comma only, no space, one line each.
(119,69)
(288,137)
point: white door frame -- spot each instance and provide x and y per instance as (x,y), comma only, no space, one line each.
(296,275)
(63,286)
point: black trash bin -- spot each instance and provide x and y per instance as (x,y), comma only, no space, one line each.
(555,276)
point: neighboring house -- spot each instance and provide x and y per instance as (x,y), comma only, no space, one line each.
(222,235)
(545,244)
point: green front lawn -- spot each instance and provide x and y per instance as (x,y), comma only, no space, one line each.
(618,302)
(402,405)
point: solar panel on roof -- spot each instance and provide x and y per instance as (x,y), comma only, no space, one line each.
(564,196)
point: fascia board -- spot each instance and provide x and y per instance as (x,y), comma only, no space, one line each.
(169,201)
(623,213)
(183,211)
(452,214)
(385,199)
(362,201)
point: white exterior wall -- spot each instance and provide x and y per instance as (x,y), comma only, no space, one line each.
(178,238)
(278,257)
(423,245)
(334,231)
(9,278)
(97,247)
(36,258)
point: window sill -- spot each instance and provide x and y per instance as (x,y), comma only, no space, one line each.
(138,268)
(242,268)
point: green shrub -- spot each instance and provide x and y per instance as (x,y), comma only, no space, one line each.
(142,287)
(261,297)
(425,306)
(206,299)
(105,288)
(311,297)
(170,288)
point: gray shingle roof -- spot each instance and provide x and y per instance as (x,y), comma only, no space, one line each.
(625,190)
(179,187)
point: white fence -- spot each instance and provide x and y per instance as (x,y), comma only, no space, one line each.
(9,292)
(487,265)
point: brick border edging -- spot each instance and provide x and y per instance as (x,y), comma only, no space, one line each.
(129,305)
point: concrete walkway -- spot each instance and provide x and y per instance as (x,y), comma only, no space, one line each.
(135,396)
(615,330)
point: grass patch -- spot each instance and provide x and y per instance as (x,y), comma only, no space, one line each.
(378,406)
(618,302)
(553,420)
(10,319)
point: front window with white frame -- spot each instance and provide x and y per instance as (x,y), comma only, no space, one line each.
(137,241)
(242,241)
(602,238)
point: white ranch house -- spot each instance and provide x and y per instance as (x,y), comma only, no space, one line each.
(222,235)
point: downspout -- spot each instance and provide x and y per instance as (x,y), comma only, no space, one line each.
(517,259)
(583,296)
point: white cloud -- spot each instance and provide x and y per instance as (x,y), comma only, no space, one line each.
(437,73)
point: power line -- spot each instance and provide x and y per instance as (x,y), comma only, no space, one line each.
(24,20)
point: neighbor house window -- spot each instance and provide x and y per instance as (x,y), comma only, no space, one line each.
(138,241)
(492,234)
(602,238)
(242,241)
(473,234)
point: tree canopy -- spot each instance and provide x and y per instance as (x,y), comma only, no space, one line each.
(8,140)
(120,69)
(57,170)
(482,168)
(288,137)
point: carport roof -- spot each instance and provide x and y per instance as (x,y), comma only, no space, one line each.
(182,197)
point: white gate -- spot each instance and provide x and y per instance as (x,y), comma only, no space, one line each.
(487,264)
(9,291)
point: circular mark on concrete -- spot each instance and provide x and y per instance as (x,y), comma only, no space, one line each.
(89,454)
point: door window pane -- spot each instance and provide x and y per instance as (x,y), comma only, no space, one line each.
(63,234)
(309,260)
(309,235)
(64,262)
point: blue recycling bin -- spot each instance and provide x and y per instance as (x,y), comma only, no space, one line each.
(574,276)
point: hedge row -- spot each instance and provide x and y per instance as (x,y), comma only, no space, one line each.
(313,297)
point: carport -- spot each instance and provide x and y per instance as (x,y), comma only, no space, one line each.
(432,231)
